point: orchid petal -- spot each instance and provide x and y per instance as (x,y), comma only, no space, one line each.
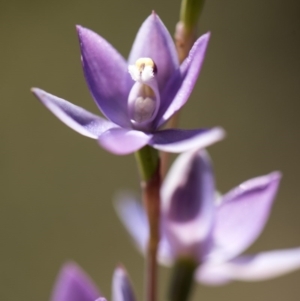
(121,286)
(187,197)
(242,215)
(154,41)
(134,218)
(211,274)
(75,117)
(123,141)
(106,75)
(262,266)
(181,84)
(178,141)
(74,285)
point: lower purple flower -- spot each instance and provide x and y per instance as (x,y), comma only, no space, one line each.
(211,229)
(74,285)
(137,96)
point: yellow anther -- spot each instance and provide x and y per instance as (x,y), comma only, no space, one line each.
(143,62)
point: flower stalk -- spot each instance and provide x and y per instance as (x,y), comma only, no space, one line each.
(149,166)
(185,36)
(185,33)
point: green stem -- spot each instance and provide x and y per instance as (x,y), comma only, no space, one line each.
(190,12)
(182,279)
(148,160)
(149,167)
(185,33)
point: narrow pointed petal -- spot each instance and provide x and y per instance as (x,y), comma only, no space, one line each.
(181,84)
(106,74)
(74,285)
(121,286)
(188,194)
(154,41)
(134,218)
(262,266)
(123,141)
(77,118)
(178,141)
(242,215)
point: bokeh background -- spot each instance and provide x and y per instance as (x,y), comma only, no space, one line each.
(57,186)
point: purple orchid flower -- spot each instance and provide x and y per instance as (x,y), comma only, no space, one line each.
(210,229)
(74,285)
(137,96)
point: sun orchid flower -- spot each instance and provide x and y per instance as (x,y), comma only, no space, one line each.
(210,229)
(137,96)
(74,285)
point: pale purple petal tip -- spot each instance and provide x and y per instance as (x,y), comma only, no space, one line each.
(74,285)
(123,141)
(134,218)
(181,84)
(121,286)
(75,117)
(187,202)
(242,215)
(178,141)
(211,275)
(106,75)
(166,254)
(154,41)
(262,266)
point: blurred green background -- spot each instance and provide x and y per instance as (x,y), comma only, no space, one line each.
(57,186)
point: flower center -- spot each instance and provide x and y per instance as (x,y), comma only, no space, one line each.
(143,70)
(143,99)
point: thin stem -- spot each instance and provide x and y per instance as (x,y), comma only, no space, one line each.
(185,36)
(184,40)
(152,204)
(182,280)
(148,162)
(190,12)
(185,33)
